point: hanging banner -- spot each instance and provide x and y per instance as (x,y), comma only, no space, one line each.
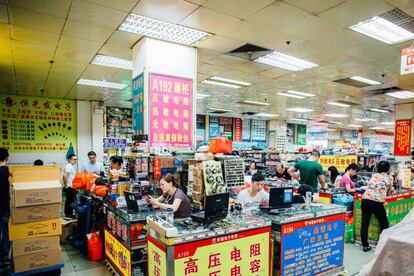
(237,130)
(117,253)
(402,138)
(301,134)
(170,111)
(138,104)
(407,61)
(34,124)
(340,162)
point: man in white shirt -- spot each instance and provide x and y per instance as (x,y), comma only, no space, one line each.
(254,196)
(68,177)
(92,166)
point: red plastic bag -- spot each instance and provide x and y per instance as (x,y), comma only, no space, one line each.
(79,181)
(99,190)
(95,247)
(220,145)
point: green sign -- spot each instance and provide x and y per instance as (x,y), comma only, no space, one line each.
(301,134)
(34,124)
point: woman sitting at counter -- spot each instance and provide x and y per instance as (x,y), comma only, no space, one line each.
(334,176)
(173,197)
(346,182)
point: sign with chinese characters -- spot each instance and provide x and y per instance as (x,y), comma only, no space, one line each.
(301,134)
(238,126)
(402,138)
(114,143)
(226,127)
(258,131)
(213,127)
(407,61)
(243,253)
(34,124)
(157,258)
(340,162)
(313,246)
(117,253)
(246,130)
(397,207)
(170,111)
(138,104)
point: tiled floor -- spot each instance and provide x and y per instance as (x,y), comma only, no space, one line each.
(78,265)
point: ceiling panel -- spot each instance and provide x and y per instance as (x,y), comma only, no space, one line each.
(115,50)
(209,69)
(4,18)
(227,61)
(172,11)
(78,44)
(86,31)
(67,70)
(29,51)
(123,5)
(273,73)
(36,21)
(123,76)
(219,43)
(315,7)
(252,67)
(33,36)
(124,38)
(68,55)
(237,8)
(208,20)
(249,32)
(57,88)
(205,55)
(4,31)
(95,14)
(57,8)
(97,72)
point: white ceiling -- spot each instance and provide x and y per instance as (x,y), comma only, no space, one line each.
(71,32)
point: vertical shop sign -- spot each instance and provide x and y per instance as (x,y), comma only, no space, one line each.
(138,104)
(157,258)
(407,61)
(402,138)
(34,124)
(237,137)
(226,127)
(290,133)
(312,247)
(200,126)
(170,111)
(117,253)
(259,131)
(301,134)
(213,127)
(246,130)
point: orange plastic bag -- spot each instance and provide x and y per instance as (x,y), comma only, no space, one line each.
(95,247)
(100,190)
(90,181)
(79,181)
(220,145)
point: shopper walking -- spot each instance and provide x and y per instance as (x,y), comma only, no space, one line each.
(68,176)
(379,186)
(92,166)
(4,208)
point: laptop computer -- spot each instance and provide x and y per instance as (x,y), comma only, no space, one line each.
(279,198)
(216,207)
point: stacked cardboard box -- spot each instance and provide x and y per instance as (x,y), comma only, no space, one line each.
(35,225)
(198,186)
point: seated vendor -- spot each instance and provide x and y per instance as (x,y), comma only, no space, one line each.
(254,196)
(252,169)
(347,183)
(173,197)
(281,172)
(116,163)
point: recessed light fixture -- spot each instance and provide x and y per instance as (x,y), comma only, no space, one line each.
(339,104)
(379,110)
(336,115)
(107,84)
(364,80)
(221,84)
(220,109)
(403,94)
(201,96)
(253,103)
(112,62)
(365,120)
(299,109)
(290,95)
(296,94)
(237,82)
(383,30)
(355,126)
(376,128)
(266,115)
(387,123)
(284,61)
(162,30)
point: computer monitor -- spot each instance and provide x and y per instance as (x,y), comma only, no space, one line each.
(280,197)
(131,201)
(216,207)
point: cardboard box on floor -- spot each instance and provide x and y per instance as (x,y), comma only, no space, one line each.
(37,260)
(35,193)
(35,213)
(34,173)
(68,228)
(37,229)
(31,246)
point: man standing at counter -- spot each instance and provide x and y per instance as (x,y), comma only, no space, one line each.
(254,196)
(92,166)
(310,171)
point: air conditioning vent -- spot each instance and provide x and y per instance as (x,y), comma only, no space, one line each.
(249,52)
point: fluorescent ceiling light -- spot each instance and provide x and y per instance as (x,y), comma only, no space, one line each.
(220,109)
(114,85)
(339,104)
(379,110)
(221,84)
(266,115)
(299,93)
(291,95)
(284,61)
(254,103)
(297,119)
(162,30)
(382,30)
(364,80)
(336,115)
(387,123)
(365,120)
(334,122)
(231,81)
(299,109)
(356,126)
(377,128)
(202,96)
(403,94)
(112,62)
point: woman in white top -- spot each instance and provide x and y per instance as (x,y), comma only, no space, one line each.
(335,177)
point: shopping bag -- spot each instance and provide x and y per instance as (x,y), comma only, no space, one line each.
(95,247)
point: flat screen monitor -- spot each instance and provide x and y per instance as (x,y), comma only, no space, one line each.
(280,197)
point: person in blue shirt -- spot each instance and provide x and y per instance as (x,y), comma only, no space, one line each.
(92,166)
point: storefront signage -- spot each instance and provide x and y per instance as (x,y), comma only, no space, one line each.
(170,111)
(402,138)
(340,162)
(138,104)
(34,124)
(117,253)
(243,253)
(246,130)
(114,143)
(312,247)
(157,258)
(226,127)
(213,127)
(407,61)
(238,126)
(258,131)
(301,134)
